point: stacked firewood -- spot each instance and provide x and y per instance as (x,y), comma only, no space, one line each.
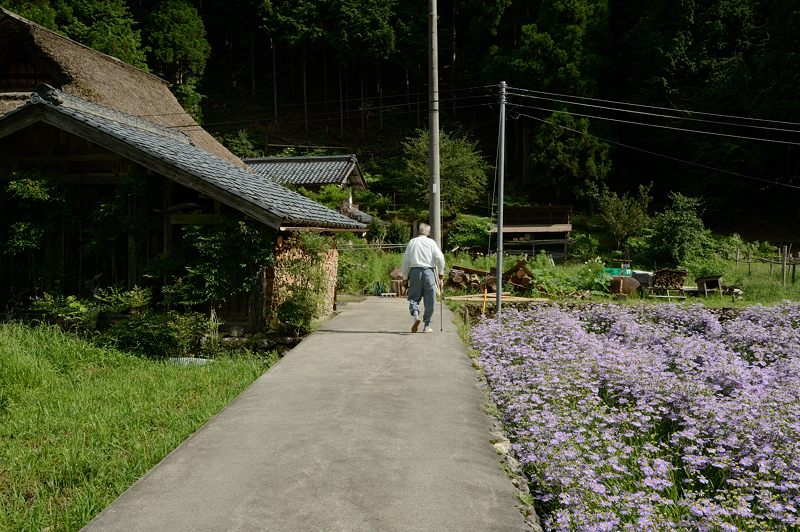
(399,286)
(470,280)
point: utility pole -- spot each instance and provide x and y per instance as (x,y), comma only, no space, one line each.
(435,201)
(501,156)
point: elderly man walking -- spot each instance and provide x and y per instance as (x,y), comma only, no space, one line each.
(422,262)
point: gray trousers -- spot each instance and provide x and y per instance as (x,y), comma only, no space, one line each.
(422,286)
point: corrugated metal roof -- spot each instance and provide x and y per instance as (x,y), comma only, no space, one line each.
(290,208)
(310,171)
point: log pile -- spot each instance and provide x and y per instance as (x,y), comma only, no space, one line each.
(470,279)
(399,286)
(518,275)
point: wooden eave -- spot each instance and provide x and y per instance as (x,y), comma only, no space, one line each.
(544,228)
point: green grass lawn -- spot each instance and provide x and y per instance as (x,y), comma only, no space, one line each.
(79,424)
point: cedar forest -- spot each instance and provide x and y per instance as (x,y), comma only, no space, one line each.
(700,98)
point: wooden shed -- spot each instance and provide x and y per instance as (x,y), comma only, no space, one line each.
(534,229)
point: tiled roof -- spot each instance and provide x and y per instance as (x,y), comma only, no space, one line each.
(217,177)
(310,171)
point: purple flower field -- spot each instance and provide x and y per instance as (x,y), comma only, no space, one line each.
(652,417)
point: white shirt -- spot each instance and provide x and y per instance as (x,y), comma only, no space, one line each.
(422,252)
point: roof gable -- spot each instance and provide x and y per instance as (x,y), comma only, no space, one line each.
(170,154)
(338,170)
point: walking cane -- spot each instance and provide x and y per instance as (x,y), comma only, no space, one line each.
(440,289)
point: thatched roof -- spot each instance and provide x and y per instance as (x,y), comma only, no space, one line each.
(96,77)
(168,153)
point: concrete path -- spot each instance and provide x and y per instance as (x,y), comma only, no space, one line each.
(362,427)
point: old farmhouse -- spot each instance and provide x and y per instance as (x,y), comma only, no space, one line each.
(132,170)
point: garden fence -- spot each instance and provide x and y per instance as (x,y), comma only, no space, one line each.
(784,258)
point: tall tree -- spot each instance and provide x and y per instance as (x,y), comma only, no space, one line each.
(105,25)
(177,41)
(567,161)
(464,172)
(39,11)
(178,49)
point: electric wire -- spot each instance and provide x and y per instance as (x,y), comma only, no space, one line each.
(719,115)
(692,163)
(661,126)
(658,115)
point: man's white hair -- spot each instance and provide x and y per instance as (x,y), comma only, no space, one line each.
(424,229)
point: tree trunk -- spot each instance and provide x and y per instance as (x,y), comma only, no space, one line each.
(341,104)
(274,81)
(305,90)
(252,63)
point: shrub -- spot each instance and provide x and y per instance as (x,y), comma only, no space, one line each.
(678,231)
(297,313)
(583,247)
(398,232)
(146,334)
(158,335)
(468,231)
(68,312)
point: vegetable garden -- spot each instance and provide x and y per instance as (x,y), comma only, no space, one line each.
(651,417)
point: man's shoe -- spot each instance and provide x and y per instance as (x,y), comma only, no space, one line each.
(427,329)
(415,326)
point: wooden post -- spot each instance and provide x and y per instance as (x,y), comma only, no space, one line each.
(770,263)
(794,267)
(784,253)
(749,265)
(736,267)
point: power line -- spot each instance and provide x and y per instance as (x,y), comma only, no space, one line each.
(660,126)
(657,107)
(659,115)
(777,183)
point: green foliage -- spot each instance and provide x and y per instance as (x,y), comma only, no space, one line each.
(32,205)
(79,424)
(559,50)
(362,28)
(398,232)
(468,231)
(706,265)
(68,312)
(31,187)
(240,144)
(22,237)
(177,39)
(583,247)
(39,11)
(157,335)
(566,158)
(104,25)
(226,260)
(677,232)
(376,231)
(189,98)
(117,300)
(306,292)
(298,311)
(331,196)
(360,270)
(623,215)
(463,172)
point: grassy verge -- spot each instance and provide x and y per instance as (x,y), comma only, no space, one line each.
(79,424)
